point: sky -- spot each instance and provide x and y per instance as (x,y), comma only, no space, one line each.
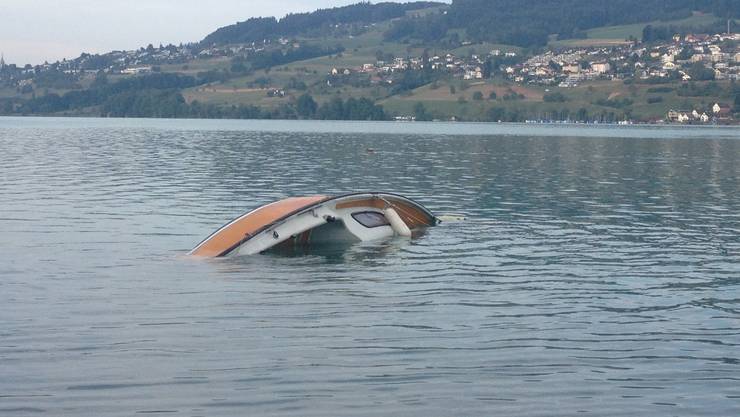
(34,31)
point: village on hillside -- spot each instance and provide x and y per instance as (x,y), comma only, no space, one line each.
(687,58)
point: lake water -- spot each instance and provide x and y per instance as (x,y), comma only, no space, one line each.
(597,272)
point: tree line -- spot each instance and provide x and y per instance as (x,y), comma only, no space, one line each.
(160,96)
(339,109)
(662,33)
(519,115)
(171,104)
(319,22)
(530,23)
(101,91)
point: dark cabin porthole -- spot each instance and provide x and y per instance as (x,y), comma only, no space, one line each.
(370,219)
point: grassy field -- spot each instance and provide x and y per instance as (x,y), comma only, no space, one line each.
(441,91)
(220,95)
(11,92)
(441,102)
(8,92)
(639,94)
(198,65)
(427,11)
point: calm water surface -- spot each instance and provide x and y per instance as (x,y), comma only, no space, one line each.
(597,273)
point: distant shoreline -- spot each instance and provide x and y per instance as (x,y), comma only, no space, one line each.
(441,128)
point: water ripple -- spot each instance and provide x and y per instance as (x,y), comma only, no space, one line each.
(598,272)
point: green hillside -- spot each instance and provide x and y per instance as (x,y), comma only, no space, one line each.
(359,69)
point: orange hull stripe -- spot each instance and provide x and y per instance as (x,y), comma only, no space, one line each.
(245,226)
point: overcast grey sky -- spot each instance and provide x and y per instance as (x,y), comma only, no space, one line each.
(34,31)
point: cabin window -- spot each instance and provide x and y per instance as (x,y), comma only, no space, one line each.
(370,219)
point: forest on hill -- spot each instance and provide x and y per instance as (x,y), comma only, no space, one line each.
(530,23)
(515,22)
(321,22)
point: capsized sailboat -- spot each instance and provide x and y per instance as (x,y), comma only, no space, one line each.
(315,219)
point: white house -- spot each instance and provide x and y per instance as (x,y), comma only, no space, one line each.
(600,67)
(542,71)
(721,111)
(136,70)
(679,116)
(719,57)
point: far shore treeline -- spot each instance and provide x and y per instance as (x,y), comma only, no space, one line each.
(158,95)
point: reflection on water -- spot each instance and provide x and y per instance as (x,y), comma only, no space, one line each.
(596,275)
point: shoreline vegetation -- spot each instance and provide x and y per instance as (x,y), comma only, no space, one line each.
(418,61)
(159,96)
